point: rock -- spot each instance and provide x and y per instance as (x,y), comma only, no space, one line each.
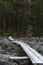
(41,49)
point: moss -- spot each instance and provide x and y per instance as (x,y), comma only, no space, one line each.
(13,46)
(35,64)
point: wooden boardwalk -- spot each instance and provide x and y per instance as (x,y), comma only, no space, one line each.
(34,56)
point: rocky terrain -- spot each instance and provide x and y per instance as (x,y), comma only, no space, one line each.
(8,49)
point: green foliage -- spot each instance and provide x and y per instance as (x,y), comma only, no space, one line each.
(38,17)
(29,31)
(23,22)
(11,31)
(22,18)
(6,6)
(35,64)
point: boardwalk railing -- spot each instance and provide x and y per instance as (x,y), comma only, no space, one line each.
(34,56)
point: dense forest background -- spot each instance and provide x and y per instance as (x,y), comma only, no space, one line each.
(21,17)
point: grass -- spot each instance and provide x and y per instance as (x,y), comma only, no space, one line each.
(35,64)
